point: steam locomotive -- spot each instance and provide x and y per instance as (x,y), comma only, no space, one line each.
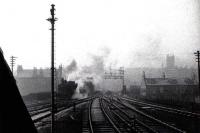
(66,89)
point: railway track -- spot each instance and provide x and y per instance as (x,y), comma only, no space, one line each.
(185,120)
(162,108)
(138,121)
(98,119)
(94,120)
(41,111)
(107,115)
(117,115)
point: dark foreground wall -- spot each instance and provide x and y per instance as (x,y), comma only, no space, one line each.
(14,117)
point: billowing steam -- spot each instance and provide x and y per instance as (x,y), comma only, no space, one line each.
(71,67)
(88,77)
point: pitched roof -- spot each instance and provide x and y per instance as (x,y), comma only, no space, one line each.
(168,81)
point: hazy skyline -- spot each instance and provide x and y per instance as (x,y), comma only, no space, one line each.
(131,33)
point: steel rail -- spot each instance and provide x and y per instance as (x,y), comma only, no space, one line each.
(166,109)
(90,117)
(108,117)
(152,118)
(60,109)
(135,120)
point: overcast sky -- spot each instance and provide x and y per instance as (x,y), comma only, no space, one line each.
(132,33)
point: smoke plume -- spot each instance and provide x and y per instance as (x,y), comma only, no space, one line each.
(71,67)
(88,77)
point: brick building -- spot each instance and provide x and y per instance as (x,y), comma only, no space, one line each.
(36,80)
(183,90)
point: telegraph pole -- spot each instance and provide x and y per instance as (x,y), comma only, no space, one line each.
(12,62)
(52,21)
(197,55)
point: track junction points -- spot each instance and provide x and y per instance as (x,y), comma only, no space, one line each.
(116,114)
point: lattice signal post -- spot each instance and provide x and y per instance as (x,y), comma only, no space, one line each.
(116,74)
